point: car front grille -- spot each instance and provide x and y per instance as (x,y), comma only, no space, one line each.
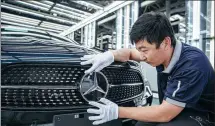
(41,97)
(41,75)
(121,76)
(57,86)
(118,93)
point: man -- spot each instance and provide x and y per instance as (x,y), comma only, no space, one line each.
(185,75)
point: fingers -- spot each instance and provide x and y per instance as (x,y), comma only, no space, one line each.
(87,57)
(99,68)
(105,101)
(91,69)
(96,104)
(99,122)
(96,117)
(94,111)
(87,62)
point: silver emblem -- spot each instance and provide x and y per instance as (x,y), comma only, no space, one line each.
(94,86)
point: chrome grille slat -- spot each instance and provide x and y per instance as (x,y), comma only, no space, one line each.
(40,87)
(126,84)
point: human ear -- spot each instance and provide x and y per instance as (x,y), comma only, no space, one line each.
(167,42)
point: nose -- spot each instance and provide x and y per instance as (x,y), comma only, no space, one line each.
(142,56)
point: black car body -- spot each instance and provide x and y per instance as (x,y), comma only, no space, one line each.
(41,76)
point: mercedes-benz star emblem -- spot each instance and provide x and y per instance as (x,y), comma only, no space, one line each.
(94,86)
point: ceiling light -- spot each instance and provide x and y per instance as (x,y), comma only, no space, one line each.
(72,9)
(148,2)
(85,3)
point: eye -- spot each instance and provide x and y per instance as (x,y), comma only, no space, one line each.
(144,51)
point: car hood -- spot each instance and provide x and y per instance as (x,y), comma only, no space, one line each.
(16,49)
(22,48)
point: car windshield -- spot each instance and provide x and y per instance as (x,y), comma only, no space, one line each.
(22,46)
(15,30)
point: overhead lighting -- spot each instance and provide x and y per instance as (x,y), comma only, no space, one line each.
(32,5)
(39,3)
(85,3)
(17,18)
(176,17)
(171,19)
(47,2)
(182,30)
(61,20)
(67,15)
(147,2)
(28,11)
(69,12)
(116,5)
(72,9)
(182,24)
(21,21)
(29,26)
(105,37)
(53,25)
(7,6)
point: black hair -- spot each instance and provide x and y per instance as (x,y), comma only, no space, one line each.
(152,27)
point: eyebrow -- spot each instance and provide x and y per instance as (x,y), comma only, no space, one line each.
(141,47)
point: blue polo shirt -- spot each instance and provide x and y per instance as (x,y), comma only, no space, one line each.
(188,81)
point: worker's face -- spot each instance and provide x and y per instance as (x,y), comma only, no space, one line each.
(150,54)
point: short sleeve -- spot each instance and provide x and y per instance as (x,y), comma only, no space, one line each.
(185,87)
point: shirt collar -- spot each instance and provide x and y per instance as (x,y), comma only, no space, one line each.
(175,57)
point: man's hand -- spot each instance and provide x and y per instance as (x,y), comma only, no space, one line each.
(107,111)
(99,61)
